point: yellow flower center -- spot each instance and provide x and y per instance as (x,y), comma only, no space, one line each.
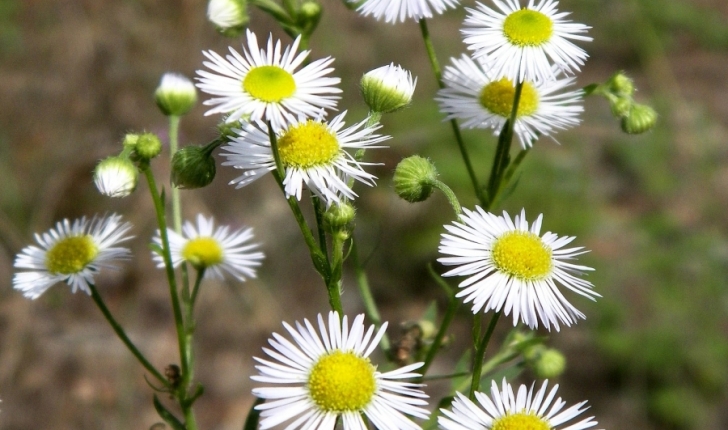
(307,144)
(528,28)
(269,83)
(71,255)
(520,421)
(342,381)
(522,255)
(497,98)
(203,252)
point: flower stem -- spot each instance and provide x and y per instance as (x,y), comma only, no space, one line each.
(333,284)
(452,307)
(124,338)
(451,197)
(370,306)
(480,354)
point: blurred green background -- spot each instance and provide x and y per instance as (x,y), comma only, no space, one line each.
(75,75)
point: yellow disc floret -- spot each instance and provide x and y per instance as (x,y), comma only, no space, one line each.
(307,144)
(528,28)
(497,98)
(71,255)
(522,255)
(203,252)
(342,381)
(520,421)
(269,83)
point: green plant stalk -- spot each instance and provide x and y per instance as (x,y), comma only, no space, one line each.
(508,175)
(333,284)
(318,211)
(452,307)
(177,198)
(370,306)
(124,338)
(435,64)
(451,197)
(480,354)
(502,152)
(196,289)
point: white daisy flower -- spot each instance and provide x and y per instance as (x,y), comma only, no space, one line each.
(216,250)
(71,253)
(400,10)
(517,42)
(511,268)
(227,14)
(176,94)
(327,374)
(312,152)
(470,95)
(504,410)
(263,84)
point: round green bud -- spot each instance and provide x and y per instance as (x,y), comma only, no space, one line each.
(621,85)
(414,178)
(621,106)
(148,146)
(175,95)
(310,11)
(387,89)
(116,177)
(550,364)
(230,17)
(339,216)
(130,140)
(640,119)
(192,167)
(230,129)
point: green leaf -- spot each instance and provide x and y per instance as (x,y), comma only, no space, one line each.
(251,423)
(167,415)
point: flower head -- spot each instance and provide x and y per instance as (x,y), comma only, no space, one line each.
(504,410)
(312,152)
(518,42)
(479,101)
(175,95)
(216,250)
(510,267)
(229,16)
(400,10)
(265,85)
(388,88)
(327,374)
(73,252)
(116,177)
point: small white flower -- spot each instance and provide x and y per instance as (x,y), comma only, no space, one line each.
(227,14)
(176,94)
(116,177)
(216,250)
(394,10)
(504,410)
(71,253)
(512,269)
(327,374)
(518,42)
(312,152)
(470,95)
(264,84)
(388,88)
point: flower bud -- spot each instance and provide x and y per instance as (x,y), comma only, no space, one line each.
(230,17)
(175,95)
(549,364)
(338,216)
(621,106)
(641,118)
(414,178)
(621,85)
(130,140)
(388,88)
(192,167)
(228,130)
(115,177)
(148,146)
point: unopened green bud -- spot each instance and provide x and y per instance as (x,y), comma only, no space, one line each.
(230,17)
(309,15)
(230,129)
(175,95)
(640,119)
(388,88)
(116,177)
(550,364)
(130,140)
(148,146)
(192,167)
(338,216)
(621,85)
(621,106)
(414,178)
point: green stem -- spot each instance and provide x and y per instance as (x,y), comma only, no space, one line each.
(176,200)
(370,306)
(196,289)
(480,354)
(333,284)
(452,307)
(451,197)
(508,175)
(318,211)
(502,153)
(124,338)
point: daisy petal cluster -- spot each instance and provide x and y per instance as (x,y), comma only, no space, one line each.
(520,43)
(326,373)
(512,268)
(265,84)
(388,88)
(400,10)
(504,410)
(472,96)
(72,252)
(312,151)
(216,250)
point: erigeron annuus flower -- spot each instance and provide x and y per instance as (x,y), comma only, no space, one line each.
(116,177)
(312,151)
(504,410)
(229,16)
(327,373)
(472,96)
(265,84)
(513,269)
(519,43)
(216,250)
(400,10)
(388,88)
(72,252)
(176,94)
